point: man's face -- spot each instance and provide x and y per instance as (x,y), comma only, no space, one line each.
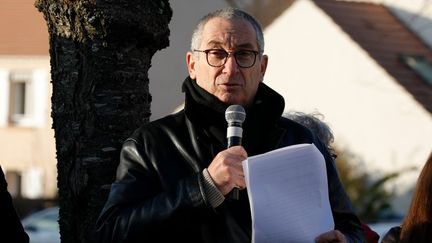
(229,83)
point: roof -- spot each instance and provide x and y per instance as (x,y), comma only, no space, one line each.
(23,29)
(385,39)
(272,8)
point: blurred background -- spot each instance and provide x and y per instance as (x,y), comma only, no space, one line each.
(366,66)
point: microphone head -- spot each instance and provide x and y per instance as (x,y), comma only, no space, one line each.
(235,113)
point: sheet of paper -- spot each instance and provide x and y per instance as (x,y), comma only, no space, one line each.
(288,195)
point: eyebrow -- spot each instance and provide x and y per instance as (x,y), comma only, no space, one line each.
(241,46)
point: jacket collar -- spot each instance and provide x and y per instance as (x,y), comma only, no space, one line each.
(207,112)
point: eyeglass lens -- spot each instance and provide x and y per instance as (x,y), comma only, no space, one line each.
(243,58)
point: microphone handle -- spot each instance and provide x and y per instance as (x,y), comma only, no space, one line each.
(234,141)
(234,194)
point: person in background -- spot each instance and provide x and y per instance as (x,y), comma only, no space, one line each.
(314,122)
(417,224)
(11,229)
(176,173)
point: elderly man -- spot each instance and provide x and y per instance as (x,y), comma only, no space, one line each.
(175,173)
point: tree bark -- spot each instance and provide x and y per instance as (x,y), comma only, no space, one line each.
(100,53)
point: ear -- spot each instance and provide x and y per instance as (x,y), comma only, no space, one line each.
(263,65)
(190,61)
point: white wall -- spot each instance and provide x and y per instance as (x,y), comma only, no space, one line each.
(40,79)
(33,183)
(316,66)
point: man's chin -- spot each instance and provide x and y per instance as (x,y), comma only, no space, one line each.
(231,99)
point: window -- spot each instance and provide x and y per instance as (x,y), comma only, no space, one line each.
(420,65)
(13,179)
(19,96)
(18,91)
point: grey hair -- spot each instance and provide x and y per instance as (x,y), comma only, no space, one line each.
(314,121)
(227,14)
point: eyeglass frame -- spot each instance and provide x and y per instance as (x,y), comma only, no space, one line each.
(228,53)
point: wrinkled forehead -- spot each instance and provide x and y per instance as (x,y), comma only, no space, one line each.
(229,34)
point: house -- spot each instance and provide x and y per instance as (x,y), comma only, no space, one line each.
(27,151)
(350,60)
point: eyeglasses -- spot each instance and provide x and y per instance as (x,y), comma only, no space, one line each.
(218,57)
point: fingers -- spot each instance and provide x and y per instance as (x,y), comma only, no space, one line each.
(333,236)
(226,169)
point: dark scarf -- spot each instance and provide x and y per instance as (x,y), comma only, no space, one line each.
(208,112)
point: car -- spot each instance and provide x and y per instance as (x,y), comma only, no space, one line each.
(384,226)
(42,226)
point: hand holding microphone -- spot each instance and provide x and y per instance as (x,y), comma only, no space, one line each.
(235,116)
(226,168)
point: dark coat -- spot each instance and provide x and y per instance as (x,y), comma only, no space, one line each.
(11,229)
(158,194)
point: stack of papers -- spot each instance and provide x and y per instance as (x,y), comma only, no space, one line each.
(288,195)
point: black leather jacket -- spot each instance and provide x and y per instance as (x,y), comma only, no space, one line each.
(158,195)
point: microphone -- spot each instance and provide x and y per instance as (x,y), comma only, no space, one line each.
(235,116)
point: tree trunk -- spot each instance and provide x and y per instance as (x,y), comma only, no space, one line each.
(100,52)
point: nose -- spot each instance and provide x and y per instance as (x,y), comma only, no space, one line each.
(230,66)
